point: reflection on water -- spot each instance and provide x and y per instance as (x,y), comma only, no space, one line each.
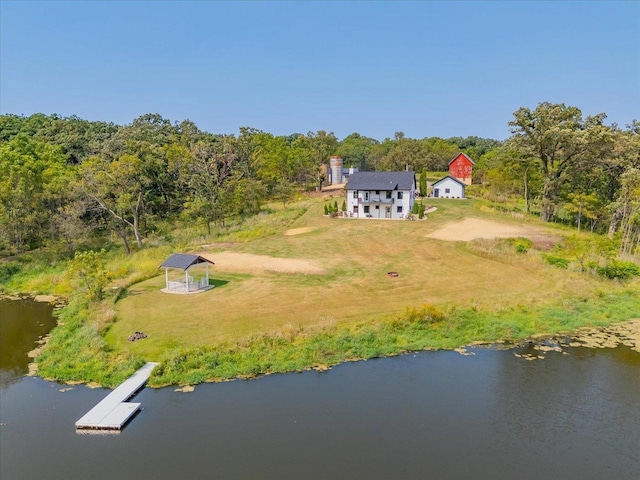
(426,415)
(22,323)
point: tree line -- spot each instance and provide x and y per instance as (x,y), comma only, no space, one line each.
(65,179)
(565,167)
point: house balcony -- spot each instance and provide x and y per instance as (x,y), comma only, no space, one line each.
(376,199)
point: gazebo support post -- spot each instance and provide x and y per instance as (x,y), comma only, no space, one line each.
(185,262)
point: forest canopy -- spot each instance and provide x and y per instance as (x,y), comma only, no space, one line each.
(64,180)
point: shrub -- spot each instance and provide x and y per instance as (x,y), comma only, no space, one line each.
(556,261)
(87,274)
(426,315)
(619,269)
(326,209)
(8,270)
(522,245)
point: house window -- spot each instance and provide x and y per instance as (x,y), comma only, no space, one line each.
(377,207)
(447,190)
(355,194)
(366,209)
(377,192)
(366,196)
(399,195)
(388,194)
(399,208)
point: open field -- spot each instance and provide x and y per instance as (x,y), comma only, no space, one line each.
(319,272)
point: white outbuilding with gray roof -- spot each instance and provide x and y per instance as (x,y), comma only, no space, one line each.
(448,187)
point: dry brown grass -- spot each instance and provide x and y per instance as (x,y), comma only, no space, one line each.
(336,273)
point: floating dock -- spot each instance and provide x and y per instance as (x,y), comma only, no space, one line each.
(114,411)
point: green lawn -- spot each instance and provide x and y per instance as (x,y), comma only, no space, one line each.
(356,255)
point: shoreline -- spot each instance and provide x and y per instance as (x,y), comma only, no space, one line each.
(619,333)
(625,333)
(72,360)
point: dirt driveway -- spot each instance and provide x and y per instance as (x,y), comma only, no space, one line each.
(474,228)
(249,263)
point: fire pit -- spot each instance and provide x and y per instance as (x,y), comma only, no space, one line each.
(137,336)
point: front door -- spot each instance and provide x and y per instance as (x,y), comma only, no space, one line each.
(387,212)
(436,192)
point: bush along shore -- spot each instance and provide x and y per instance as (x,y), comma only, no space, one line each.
(77,352)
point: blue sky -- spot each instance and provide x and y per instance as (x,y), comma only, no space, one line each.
(425,68)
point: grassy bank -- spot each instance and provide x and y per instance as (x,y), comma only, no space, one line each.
(349,284)
(338,305)
(77,352)
(426,327)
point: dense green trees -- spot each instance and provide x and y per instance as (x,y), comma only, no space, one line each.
(212,172)
(625,217)
(355,151)
(118,190)
(62,179)
(432,154)
(557,137)
(569,169)
(33,180)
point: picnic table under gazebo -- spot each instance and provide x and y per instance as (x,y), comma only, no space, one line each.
(186,282)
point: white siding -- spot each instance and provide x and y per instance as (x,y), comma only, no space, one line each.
(379,202)
(448,188)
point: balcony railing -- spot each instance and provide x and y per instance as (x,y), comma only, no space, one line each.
(375,199)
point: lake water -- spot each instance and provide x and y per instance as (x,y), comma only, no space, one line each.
(22,323)
(436,415)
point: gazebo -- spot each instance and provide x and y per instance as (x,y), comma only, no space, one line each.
(186,284)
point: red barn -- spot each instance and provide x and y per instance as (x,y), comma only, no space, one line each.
(461,168)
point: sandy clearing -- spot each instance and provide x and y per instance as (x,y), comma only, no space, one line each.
(250,263)
(45,298)
(298,231)
(473,228)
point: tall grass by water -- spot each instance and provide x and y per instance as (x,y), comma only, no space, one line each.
(426,327)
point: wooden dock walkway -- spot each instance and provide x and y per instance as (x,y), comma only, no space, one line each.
(114,411)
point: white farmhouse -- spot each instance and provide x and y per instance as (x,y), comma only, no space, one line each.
(448,187)
(380,194)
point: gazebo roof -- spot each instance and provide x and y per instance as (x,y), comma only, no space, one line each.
(183,261)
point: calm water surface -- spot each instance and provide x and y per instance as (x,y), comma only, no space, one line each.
(22,323)
(434,415)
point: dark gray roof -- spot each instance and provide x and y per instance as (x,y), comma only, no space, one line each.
(184,261)
(450,177)
(381,181)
